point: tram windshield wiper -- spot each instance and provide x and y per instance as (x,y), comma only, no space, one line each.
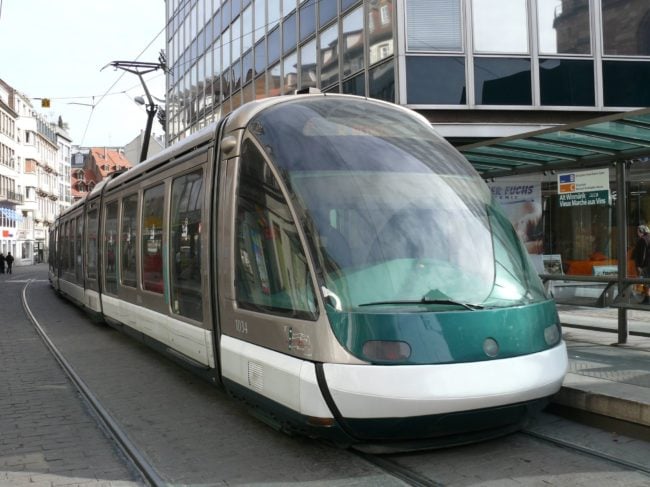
(425,300)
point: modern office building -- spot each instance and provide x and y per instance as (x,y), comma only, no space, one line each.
(474,68)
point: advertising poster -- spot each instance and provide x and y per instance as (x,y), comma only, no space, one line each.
(522,203)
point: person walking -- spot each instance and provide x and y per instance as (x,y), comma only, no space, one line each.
(9,259)
(2,263)
(641,255)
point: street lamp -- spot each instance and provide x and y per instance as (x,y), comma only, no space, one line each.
(141,68)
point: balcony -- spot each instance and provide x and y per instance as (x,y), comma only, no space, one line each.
(7,196)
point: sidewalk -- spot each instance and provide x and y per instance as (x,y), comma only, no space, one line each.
(606,378)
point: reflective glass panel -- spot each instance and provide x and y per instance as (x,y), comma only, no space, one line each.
(290,73)
(564,27)
(626,83)
(247,67)
(260,57)
(353,45)
(260,87)
(91,249)
(381,82)
(355,86)
(326,11)
(247,29)
(128,244)
(260,19)
(236,39)
(424,85)
(110,248)
(307,19)
(433,25)
(225,15)
(503,29)
(273,43)
(568,82)
(329,58)
(275,13)
(275,80)
(289,33)
(270,263)
(287,7)
(308,68)
(345,4)
(500,81)
(380,30)
(185,243)
(153,205)
(626,28)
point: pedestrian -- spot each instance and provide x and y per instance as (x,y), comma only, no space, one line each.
(2,263)
(10,261)
(641,255)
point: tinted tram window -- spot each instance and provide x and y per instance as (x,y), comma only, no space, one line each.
(91,242)
(127,240)
(151,234)
(186,292)
(271,268)
(110,245)
(71,246)
(64,247)
(78,254)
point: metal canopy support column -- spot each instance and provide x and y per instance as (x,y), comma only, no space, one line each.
(621,218)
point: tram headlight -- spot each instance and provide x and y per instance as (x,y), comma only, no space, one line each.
(552,334)
(386,351)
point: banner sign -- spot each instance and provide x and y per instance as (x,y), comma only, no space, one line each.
(521,201)
(584,188)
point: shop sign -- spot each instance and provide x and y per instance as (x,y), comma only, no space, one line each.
(583,188)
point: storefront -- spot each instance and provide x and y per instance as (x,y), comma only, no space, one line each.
(576,195)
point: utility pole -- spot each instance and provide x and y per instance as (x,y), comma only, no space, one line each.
(140,68)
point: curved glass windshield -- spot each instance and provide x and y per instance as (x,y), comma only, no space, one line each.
(395,216)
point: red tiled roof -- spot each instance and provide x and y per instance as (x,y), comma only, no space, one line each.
(106,161)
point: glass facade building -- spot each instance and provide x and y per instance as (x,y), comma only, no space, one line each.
(526,62)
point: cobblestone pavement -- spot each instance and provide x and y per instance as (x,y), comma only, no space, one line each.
(47,436)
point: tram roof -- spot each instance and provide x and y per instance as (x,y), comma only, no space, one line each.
(594,142)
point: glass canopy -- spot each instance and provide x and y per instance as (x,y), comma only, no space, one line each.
(592,142)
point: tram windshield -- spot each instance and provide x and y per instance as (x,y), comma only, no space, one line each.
(394,215)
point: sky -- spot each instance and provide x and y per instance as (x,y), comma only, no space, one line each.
(56,49)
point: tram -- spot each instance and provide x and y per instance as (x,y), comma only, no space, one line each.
(331,262)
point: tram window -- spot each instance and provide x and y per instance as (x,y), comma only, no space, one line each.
(127,240)
(64,247)
(151,234)
(271,267)
(185,238)
(78,253)
(110,245)
(71,246)
(91,250)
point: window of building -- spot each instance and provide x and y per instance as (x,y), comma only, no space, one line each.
(353,42)
(272,275)
(626,28)
(566,82)
(185,242)
(503,29)
(329,58)
(110,248)
(275,14)
(308,71)
(247,29)
(260,57)
(425,87)
(626,83)
(307,19)
(380,31)
(259,7)
(355,85)
(153,204)
(128,242)
(326,11)
(501,81)
(273,44)
(289,33)
(381,82)
(290,73)
(431,25)
(564,27)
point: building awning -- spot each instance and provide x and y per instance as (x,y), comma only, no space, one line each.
(16,216)
(594,142)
